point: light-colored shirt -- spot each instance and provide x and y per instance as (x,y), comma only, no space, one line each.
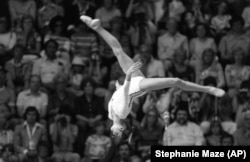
(230,42)
(184,135)
(167,44)
(220,22)
(49,69)
(155,68)
(26,99)
(106,16)
(246,16)
(8,40)
(197,47)
(98,146)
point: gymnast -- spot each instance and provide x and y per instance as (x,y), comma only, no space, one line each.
(136,84)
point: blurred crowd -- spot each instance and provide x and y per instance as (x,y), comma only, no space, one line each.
(57,76)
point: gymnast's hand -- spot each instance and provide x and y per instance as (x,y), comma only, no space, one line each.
(94,24)
(135,67)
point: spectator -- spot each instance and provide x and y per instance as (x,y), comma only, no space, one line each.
(74,9)
(47,12)
(61,98)
(237,72)
(214,134)
(80,71)
(176,8)
(180,68)
(220,22)
(152,67)
(171,41)
(200,43)
(7,95)
(107,12)
(241,135)
(63,135)
(97,144)
(207,104)
(18,71)
(123,154)
(241,102)
(141,31)
(142,6)
(232,40)
(151,131)
(4,56)
(208,66)
(28,36)
(8,153)
(227,114)
(84,42)
(20,8)
(29,134)
(58,33)
(188,24)
(89,109)
(7,37)
(33,97)
(6,133)
(227,140)
(43,152)
(202,15)
(246,15)
(194,108)
(49,66)
(183,132)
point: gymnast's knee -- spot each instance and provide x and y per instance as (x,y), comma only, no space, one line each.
(177,82)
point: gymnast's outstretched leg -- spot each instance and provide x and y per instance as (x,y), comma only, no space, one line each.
(124,60)
(149,84)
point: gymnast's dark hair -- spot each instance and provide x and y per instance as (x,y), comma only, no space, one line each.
(31,109)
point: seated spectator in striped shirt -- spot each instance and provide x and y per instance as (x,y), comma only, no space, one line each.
(50,66)
(84,42)
(182,132)
(57,31)
(33,97)
(29,134)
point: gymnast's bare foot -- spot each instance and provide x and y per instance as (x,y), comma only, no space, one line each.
(216,91)
(94,24)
